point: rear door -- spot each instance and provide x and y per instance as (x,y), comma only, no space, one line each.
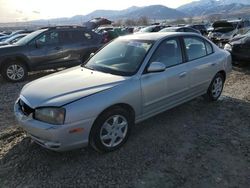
(165,89)
(78,45)
(71,42)
(200,62)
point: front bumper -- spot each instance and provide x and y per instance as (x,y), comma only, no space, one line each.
(55,137)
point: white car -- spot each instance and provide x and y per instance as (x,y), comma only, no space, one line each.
(129,80)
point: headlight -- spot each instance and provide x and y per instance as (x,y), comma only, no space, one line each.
(228,47)
(51,115)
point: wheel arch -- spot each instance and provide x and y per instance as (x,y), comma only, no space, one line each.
(223,74)
(19,58)
(124,106)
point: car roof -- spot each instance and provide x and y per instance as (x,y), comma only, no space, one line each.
(155,36)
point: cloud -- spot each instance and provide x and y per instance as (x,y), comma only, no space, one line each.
(12,10)
(19,11)
(36,12)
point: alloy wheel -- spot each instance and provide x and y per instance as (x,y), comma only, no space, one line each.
(15,72)
(217,87)
(113,131)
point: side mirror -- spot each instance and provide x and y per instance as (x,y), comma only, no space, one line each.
(156,67)
(91,55)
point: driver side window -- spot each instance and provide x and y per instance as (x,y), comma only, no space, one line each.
(168,53)
(48,38)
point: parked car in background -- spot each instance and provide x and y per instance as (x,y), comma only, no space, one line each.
(138,28)
(151,29)
(129,80)
(97,22)
(222,32)
(13,39)
(6,32)
(109,35)
(1,34)
(242,32)
(239,47)
(200,27)
(109,32)
(180,29)
(240,23)
(102,29)
(47,48)
(225,30)
(3,38)
(130,30)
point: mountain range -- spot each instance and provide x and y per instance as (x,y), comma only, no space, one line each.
(155,12)
(208,7)
(226,8)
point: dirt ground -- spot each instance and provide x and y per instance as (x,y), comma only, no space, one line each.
(197,144)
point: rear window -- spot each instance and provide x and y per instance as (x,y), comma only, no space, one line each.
(76,36)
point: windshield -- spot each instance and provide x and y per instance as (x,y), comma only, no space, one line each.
(29,37)
(120,57)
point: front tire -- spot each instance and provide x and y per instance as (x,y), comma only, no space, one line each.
(111,130)
(216,87)
(14,71)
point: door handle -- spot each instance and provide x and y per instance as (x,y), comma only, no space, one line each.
(183,74)
(213,64)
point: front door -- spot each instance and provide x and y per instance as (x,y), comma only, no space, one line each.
(165,89)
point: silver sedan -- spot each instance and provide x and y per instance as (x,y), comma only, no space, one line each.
(127,81)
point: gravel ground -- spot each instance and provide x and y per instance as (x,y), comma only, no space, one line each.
(197,144)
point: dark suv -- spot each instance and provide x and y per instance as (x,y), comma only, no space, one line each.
(46,48)
(200,27)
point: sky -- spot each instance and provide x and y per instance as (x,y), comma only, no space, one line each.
(26,10)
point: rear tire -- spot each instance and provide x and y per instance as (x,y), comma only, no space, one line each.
(216,87)
(111,130)
(14,71)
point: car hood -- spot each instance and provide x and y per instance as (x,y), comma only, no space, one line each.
(222,27)
(67,86)
(218,24)
(9,49)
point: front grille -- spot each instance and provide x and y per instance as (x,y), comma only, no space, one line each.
(25,108)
